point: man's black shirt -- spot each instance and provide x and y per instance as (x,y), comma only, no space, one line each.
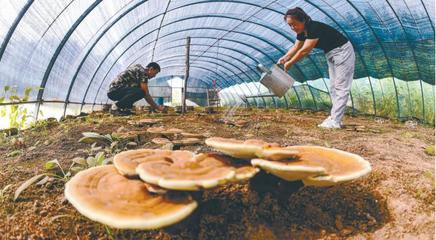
(328,37)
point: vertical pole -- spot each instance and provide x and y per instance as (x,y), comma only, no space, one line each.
(207,97)
(188,45)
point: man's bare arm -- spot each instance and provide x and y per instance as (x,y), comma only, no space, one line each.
(291,52)
(147,97)
(309,44)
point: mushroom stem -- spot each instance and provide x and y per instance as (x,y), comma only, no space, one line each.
(198,195)
(263,182)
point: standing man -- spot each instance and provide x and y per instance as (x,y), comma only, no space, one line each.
(131,86)
(339,53)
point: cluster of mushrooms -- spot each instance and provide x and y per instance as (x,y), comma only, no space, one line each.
(174,136)
(150,188)
(163,136)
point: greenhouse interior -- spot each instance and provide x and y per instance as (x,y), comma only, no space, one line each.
(217,119)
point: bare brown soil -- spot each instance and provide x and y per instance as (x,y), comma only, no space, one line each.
(396,201)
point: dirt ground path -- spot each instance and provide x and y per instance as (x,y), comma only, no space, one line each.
(396,201)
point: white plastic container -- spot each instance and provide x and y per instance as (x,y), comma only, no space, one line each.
(275,79)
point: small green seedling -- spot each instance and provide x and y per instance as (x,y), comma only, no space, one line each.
(55,170)
(429,150)
(3,193)
(92,137)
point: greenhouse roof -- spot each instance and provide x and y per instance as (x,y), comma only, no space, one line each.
(72,49)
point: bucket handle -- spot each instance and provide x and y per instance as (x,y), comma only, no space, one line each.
(263,69)
(281,66)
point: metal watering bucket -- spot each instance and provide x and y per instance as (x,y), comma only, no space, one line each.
(275,79)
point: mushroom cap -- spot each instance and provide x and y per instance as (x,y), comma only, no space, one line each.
(161,141)
(103,195)
(238,148)
(164,131)
(127,161)
(192,135)
(317,166)
(154,189)
(156,130)
(130,134)
(182,170)
(240,123)
(341,166)
(132,122)
(246,172)
(173,131)
(144,121)
(290,170)
(150,120)
(185,171)
(251,148)
(277,153)
(243,170)
(187,141)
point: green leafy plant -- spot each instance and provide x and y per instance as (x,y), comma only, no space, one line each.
(98,160)
(78,164)
(3,138)
(55,170)
(3,193)
(14,153)
(429,150)
(43,125)
(16,114)
(108,143)
(109,232)
(429,175)
(54,167)
(92,137)
(26,184)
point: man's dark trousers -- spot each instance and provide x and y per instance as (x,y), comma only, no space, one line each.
(126,97)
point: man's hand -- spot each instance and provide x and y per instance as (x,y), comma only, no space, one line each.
(308,45)
(288,65)
(282,60)
(161,108)
(291,52)
(149,99)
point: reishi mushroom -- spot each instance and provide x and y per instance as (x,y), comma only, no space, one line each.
(131,135)
(179,142)
(183,170)
(161,141)
(103,195)
(127,161)
(155,189)
(237,148)
(161,131)
(243,171)
(252,148)
(192,135)
(187,141)
(317,166)
(155,130)
(144,122)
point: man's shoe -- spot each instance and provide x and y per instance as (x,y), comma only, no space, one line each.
(328,119)
(121,112)
(330,124)
(116,112)
(114,107)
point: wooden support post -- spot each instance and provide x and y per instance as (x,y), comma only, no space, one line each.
(185,85)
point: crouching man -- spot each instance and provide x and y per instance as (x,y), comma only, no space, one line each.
(130,86)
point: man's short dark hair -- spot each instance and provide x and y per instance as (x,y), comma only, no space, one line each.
(154,66)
